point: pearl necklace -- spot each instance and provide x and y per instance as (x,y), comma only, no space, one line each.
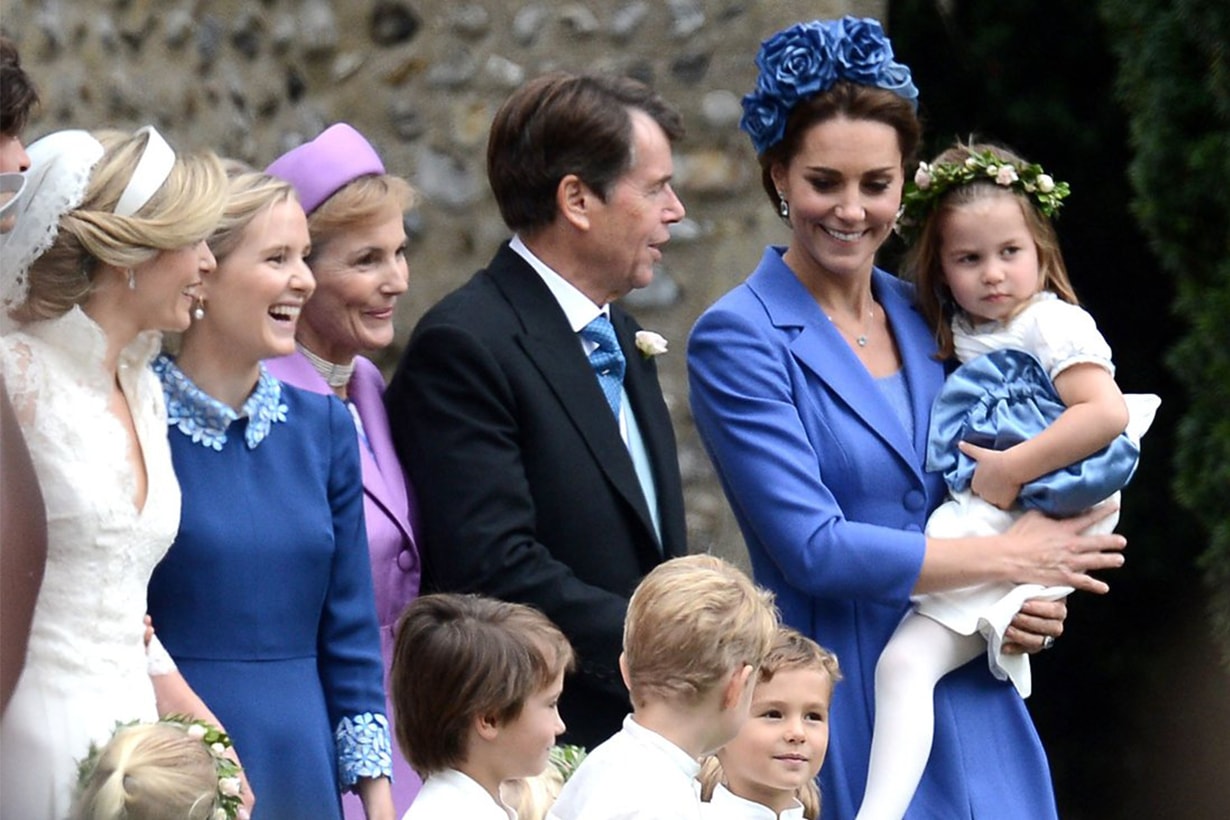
(860,339)
(337,375)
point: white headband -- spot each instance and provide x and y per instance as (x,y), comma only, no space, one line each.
(59,174)
(152,170)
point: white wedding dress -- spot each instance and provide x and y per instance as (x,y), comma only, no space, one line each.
(86,663)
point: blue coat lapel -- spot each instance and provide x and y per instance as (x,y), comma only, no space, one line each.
(818,346)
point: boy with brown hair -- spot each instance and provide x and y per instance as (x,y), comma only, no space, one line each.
(696,632)
(475,683)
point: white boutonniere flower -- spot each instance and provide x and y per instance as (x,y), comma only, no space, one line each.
(650,344)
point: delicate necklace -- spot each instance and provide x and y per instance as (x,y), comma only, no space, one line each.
(860,339)
(337,375)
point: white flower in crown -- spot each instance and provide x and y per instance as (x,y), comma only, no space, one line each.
(229,786)
(1006,175)
(650,344)
(196,731)
(922,177)
(1045,183)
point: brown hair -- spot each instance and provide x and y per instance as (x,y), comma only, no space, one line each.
(791,649)
(18,96)
(184,211)
(150,771)
(844,99)
(458,657)
(922,261)
(356,203)
(691,622)
(561,124)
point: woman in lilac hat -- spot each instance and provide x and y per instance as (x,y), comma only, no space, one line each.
(358,257)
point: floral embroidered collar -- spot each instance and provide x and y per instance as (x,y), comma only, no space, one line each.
(205,420)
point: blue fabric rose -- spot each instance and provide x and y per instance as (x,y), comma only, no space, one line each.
(861,50)
(796,62)
(808,58)
(896,78)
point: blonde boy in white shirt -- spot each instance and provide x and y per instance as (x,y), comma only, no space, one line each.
(696,631)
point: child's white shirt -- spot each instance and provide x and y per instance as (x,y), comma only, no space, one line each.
(451,794)
(726,805)
(637,773)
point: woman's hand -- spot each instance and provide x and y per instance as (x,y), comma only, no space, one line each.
(1036,627)
(1053,552)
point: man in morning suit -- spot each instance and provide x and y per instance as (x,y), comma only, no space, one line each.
(521,408)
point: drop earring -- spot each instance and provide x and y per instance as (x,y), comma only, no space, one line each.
(132,280)
(198,308)
(783,207)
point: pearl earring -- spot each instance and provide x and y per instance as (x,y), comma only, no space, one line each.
(783,207)
(198,309)
(132,280)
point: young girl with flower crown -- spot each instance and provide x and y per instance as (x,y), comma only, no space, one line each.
(1031,420)
(177,767)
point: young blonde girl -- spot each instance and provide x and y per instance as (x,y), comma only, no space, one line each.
(1032,420)
(151,771)
(772,763)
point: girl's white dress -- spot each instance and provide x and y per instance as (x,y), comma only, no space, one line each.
(1060,335)
(86,664)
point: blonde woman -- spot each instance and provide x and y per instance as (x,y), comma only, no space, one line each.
(265,599)
(108,251)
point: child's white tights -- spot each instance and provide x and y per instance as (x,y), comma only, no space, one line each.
(920,652)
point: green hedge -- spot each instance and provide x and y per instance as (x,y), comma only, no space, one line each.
(1174,83)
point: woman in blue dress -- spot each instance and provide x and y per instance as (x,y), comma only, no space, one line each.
(811,385)
(265,598)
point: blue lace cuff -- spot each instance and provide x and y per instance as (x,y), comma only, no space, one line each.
(364,748)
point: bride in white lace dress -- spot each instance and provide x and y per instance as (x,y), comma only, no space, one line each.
(107,252)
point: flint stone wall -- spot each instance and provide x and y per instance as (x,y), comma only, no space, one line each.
(422,79)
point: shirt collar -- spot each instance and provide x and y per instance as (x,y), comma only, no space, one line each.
(648,737)
(722,796)
(206,420)
(578,307)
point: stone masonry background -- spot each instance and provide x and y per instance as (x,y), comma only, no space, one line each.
(422,79)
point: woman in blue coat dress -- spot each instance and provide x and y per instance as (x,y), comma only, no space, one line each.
(265,598)
(811,387)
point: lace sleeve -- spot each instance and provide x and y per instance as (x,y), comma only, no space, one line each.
(364,748)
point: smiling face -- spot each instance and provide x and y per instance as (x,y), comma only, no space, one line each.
(784,740)
(167,285)
(844,188)
(255,296)
(359,276)
(524,743)
(989,257)
(627,230)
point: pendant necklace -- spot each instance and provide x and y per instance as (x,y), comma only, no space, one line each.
(860,339)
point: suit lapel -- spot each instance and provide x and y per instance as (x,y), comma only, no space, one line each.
(551,345)
(820,348)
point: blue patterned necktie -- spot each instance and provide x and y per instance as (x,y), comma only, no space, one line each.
(607,359)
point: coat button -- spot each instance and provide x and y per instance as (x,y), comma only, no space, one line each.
(406,560)
(914,500)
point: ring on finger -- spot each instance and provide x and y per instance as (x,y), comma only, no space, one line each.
(1048,642)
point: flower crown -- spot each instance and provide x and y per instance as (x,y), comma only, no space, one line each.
(932,181)
(229,800)
(809,58)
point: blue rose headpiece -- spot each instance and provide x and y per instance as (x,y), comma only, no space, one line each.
(808,58)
